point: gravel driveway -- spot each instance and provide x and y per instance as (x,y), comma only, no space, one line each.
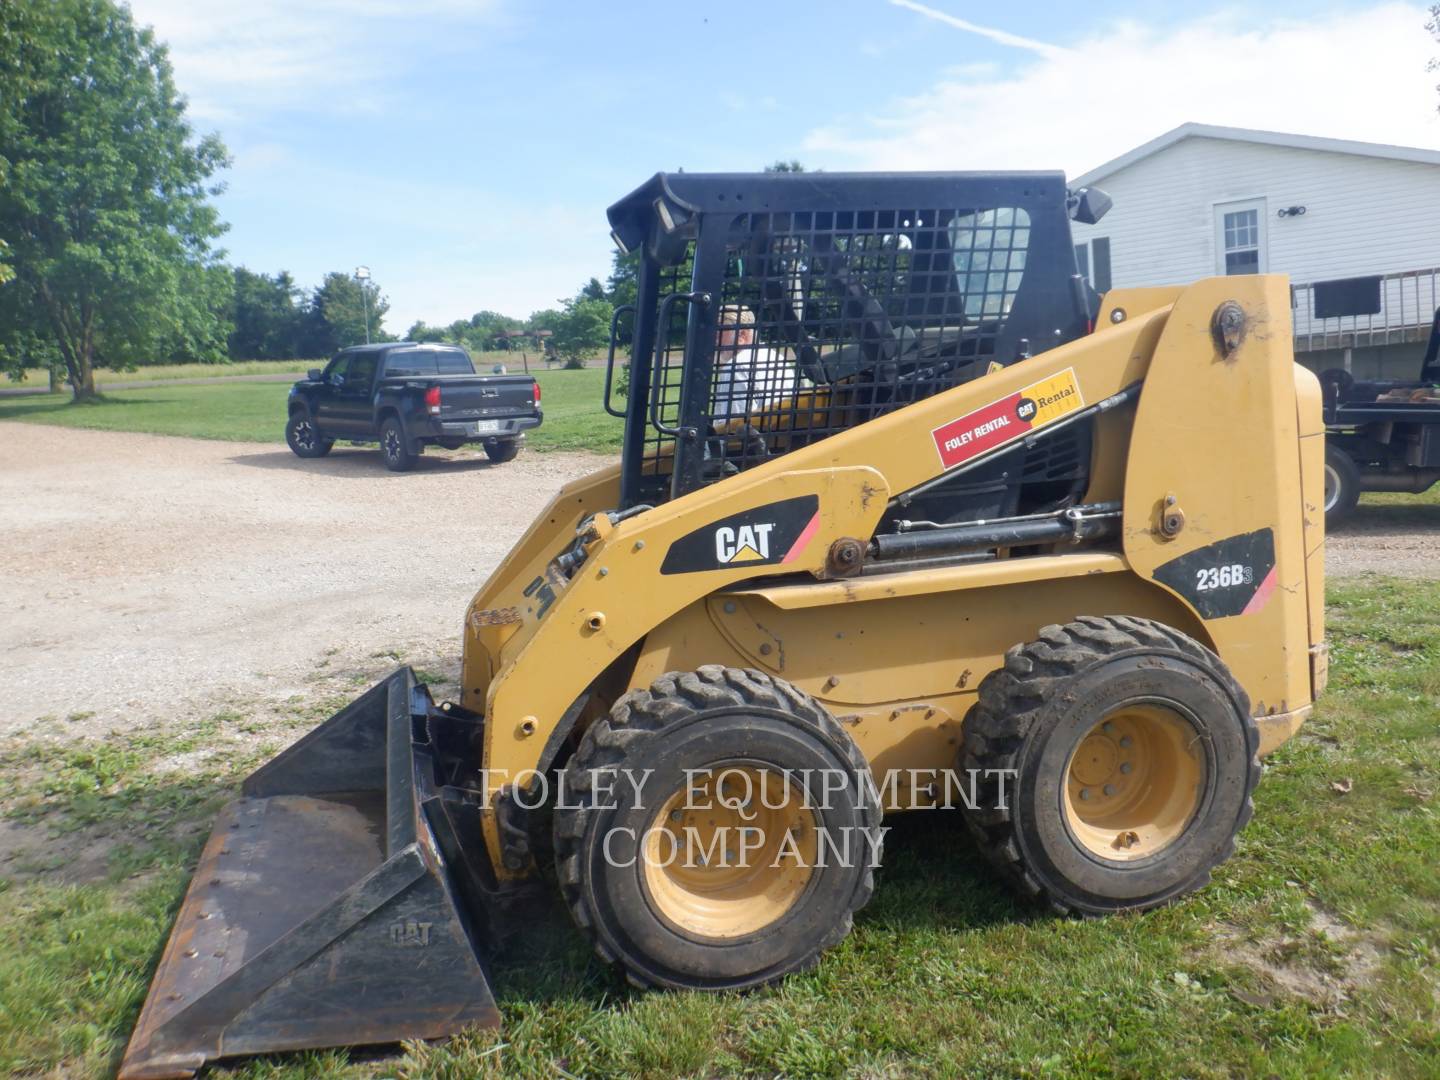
(1387,534)
(147,576)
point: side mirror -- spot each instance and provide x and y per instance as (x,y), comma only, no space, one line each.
(1089,205)
(314,374)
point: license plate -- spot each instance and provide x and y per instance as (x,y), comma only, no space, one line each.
(486,427)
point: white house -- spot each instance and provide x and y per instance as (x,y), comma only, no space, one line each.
(1355,225)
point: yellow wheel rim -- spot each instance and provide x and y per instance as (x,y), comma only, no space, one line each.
(731,853)
(1134,782)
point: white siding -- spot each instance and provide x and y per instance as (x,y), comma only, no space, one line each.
(1364,215)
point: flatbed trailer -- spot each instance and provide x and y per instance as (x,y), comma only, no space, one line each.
(1381,435)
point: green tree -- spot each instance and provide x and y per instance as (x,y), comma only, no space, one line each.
(422,331)
(487,329)
(623,284)
(7,272)
(785,166)
(337,314)
(268,317)
(106,199)
(581,328)
(204,302)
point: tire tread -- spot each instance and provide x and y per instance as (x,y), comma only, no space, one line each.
(1007,709)
(645,714)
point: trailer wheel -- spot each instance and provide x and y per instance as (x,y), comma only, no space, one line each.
(666,881)
(303,439)
(394,446)
(1115,759)
(1342,484)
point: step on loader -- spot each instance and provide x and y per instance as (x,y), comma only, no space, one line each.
(906,519)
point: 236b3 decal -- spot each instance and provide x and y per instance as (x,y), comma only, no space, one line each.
(1234,576)
(1223,577)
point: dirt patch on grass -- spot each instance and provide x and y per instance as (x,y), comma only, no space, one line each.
(1323,965)
(69,858)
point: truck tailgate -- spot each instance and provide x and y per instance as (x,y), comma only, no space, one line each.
(476,397)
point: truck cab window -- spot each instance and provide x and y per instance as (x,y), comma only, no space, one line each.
(362,371)
(417,362)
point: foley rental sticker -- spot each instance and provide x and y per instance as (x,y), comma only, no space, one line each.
(995,424)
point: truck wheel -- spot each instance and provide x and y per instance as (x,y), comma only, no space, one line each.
(1342,484)
(732,865)
(1115,762)
(501,452)
(394,446)
(303,439)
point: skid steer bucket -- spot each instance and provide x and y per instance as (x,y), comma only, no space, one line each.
(335,902)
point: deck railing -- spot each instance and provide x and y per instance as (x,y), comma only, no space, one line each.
(1408,300)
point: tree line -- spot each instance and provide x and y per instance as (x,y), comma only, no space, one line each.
(109,236)
(109,251)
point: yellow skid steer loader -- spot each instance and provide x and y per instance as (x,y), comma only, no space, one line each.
(906,518)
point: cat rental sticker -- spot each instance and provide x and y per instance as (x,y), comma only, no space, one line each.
(995,424)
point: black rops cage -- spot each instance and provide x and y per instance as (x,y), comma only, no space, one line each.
(774,310)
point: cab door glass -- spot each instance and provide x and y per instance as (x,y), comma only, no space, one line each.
(361,373)
(335,371)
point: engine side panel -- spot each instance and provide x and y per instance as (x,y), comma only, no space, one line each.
(901,671)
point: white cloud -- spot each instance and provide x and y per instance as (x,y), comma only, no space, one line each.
(1352,75)
(233,58)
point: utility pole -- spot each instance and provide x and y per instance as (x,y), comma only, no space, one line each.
(362,275)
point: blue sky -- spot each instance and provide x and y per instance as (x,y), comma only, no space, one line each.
(466,149)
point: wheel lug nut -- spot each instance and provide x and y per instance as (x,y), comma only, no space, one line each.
(675,815)
(1084,793)
(1107,726)
(1125,767)
(1125,740)
(1109,789)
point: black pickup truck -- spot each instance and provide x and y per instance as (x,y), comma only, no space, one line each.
(404,395)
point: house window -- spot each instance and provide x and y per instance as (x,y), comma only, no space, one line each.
(1092,262)
(1240,238)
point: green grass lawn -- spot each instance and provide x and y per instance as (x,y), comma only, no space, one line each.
(158,372)
(255,412)
(1314,952)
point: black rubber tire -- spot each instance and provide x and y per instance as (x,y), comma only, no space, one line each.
(1342,484)
(1033,711)
(395,448)
(695,720)
(501,452)
(302,438)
